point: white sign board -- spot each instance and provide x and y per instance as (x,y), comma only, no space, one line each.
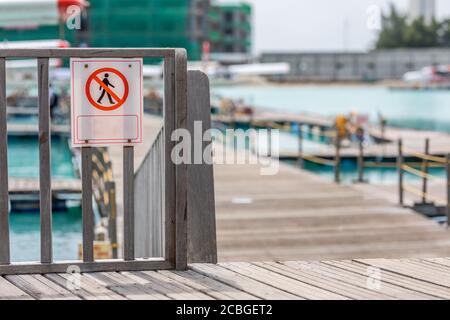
(107,101)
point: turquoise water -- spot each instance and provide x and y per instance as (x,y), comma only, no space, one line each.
(23,158)
(414,109)
(23,162)
(25,235)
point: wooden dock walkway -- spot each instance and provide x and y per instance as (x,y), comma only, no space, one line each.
(414,279)
(413,139)
(295,215)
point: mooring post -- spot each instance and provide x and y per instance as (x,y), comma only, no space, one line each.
(337,160)
(425,171)
(361,161)
(400,171)
(447,207)
(301,161)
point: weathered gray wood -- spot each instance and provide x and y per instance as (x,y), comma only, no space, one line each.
(97,266)
(301,161)
(44,161)
(112,220)
(128,202)
(4,199)
(88,53)
(9,291)
(447,169)
(181,169)
(337,159)
(201,226)
(169,166)
(425,171)
(41,288)
(148,202)
(400,171)
(361,161)
(88,214)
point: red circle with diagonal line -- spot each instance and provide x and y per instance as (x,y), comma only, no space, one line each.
(94,77)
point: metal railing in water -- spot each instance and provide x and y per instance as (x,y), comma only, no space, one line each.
(175,176)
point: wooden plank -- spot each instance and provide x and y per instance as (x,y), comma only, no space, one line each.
(169,167)
(403,267)
(181,169)
(201,224)
(88,213)
(356,280)
(216,289)
(277,280)
(97,266)
(4,198)
(128,202)
(127,287)
(395,279)
(243,283)
(88,53)
(324,281)
(41,288)
(44,161)
(89,288)
(8,291)
(168,286)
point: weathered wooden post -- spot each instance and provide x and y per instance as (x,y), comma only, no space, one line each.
(425,171)
(337,160)
(269,142)
(447,207)
(112,223)
(400,171)
(301,161)
(361,162)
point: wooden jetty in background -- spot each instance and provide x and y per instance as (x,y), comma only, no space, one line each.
(413,279)
(295,215)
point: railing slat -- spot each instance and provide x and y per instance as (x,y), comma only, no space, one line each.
(4,199)
(181,169)
(88,215)
(44,161)
(168,166)
(128,202)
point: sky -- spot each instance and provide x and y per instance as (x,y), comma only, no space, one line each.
(318,25)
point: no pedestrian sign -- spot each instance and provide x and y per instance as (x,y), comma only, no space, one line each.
(107,101)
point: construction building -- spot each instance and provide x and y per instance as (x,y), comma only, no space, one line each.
(139,23)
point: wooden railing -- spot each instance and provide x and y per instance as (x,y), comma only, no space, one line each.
(421,170)
(335,163)
(175,176)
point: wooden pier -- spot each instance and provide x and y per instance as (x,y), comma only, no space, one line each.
(414,279)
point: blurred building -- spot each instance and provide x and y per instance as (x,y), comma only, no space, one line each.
(425,9)
(230,28)
(356,66)
(137,23)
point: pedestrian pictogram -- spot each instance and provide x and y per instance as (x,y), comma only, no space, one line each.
(107,98)
(107,101)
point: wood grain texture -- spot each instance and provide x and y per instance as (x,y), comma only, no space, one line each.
(4,198)
(201,226)
(88,214)
(45,161)
(169,166)
(128,202)
(181,169)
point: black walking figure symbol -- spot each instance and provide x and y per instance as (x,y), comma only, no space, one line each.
(107,84)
